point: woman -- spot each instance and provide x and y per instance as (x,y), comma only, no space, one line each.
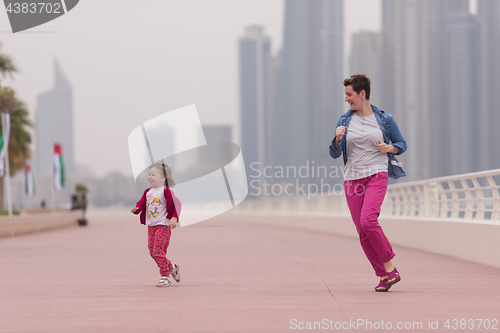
(368,138)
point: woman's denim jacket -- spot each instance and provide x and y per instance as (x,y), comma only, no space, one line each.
(390,131)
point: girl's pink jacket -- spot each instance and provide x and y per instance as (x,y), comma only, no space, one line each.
(173,205)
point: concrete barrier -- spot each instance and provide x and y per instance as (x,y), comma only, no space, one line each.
(472,240)
(37,222)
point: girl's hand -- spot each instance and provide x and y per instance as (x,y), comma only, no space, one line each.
(135,209)
(173,223)
(385,148)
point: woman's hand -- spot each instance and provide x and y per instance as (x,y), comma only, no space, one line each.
(173,223)
(385,148)
(135,209)
(340,132)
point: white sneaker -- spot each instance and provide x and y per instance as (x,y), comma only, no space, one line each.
(175,272)
(164,282)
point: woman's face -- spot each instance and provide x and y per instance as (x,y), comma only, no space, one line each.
(156,178)
(354,99)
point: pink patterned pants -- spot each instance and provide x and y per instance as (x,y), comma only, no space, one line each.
(158,240)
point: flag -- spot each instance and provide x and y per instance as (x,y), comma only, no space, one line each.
(58,167)
(4,144)
(30,181)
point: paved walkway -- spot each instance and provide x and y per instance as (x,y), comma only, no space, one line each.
(235,278)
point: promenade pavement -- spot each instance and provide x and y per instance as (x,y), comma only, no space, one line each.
(235,278)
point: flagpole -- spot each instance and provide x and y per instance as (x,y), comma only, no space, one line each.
(7,170)
(52,196)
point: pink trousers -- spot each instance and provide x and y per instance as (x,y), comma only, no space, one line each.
(364,198)
(158,240)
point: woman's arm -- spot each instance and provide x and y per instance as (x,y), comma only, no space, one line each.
(385,148)
(396,137)
(335,147)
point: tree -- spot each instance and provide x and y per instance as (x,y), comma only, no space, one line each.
(81,188)
(81,201)
(8,100)
(19,142)
(6,65)
(81,196)
(20,139)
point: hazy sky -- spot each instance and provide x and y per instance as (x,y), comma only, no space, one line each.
(129,61)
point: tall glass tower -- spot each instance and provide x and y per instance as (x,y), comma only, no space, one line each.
(54,123)
(311,90)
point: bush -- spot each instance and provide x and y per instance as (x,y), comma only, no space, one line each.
(6,212)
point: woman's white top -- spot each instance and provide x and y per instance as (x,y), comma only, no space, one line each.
(363,157)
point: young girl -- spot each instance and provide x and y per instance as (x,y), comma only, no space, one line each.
(160,210)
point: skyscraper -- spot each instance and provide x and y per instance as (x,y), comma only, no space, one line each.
(255,64)
(274,130)
(432,73)
(466,105)
(217,156)
(365,58)
(217,133)
(54,123)
(407,61)
(214,134)
(489,13)
(311,80)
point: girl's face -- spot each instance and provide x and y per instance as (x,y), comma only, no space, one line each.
(156,178)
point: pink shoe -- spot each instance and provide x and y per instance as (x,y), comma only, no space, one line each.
(393,277)
(383,286)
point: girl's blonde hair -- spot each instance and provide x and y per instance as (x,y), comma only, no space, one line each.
(167,173)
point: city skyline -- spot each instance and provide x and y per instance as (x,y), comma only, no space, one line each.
(130,72)
(431,30)
(212,118)
(422,48)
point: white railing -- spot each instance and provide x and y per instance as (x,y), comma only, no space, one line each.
(473,196)
(322,203)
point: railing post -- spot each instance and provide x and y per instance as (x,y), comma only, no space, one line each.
(455,200)
(495,197)
(481,207)
(431,199)
(427,199)
(469,201)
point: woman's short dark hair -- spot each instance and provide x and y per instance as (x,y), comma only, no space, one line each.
(359,82)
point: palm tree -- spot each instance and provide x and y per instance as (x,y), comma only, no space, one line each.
(6,65)
(19,141)
(81,201)
(8,100)
(81,188)
(81,195)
